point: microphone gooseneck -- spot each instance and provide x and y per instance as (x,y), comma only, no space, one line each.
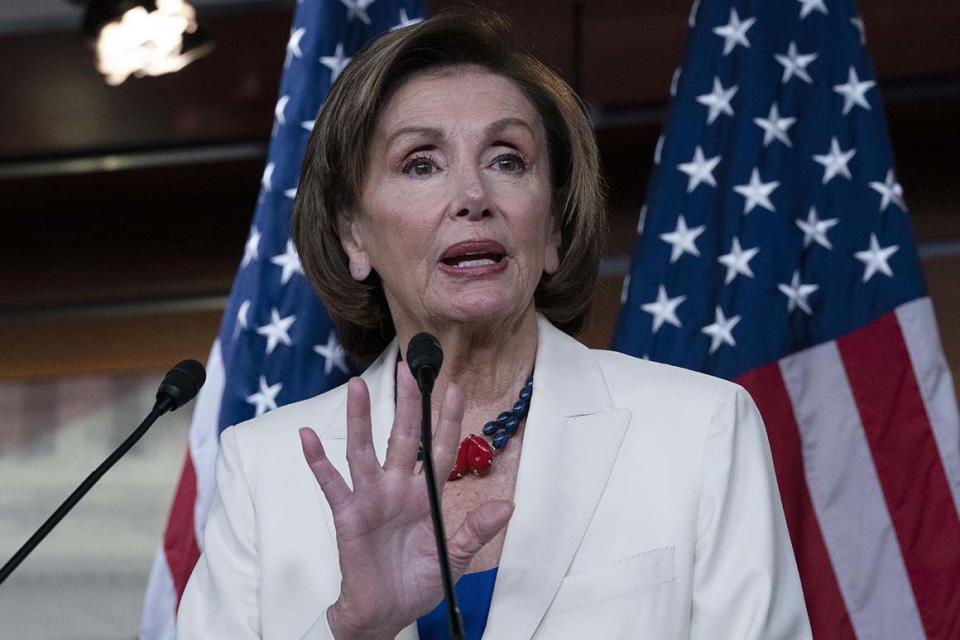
(179,386)
(425,357)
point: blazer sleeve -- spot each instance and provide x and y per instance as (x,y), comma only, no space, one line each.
(745,582)
(221,599)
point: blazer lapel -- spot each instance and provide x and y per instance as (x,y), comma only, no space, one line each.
(571,440)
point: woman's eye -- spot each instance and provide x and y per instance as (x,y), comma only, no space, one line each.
(510,162)
(419,167)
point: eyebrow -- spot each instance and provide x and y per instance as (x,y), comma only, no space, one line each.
(435,135)
(505,123)
(429,132)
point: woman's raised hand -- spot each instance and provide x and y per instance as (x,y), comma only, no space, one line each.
(388,552)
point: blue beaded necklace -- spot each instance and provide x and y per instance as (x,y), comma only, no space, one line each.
(475,454)
(508,422)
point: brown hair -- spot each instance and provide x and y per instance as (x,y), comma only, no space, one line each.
(336,156)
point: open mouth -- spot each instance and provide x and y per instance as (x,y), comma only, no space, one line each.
(473,254)
(473,260)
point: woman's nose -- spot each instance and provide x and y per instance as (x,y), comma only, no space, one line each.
(472,199)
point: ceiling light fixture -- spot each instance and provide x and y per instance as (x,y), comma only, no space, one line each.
(144,37)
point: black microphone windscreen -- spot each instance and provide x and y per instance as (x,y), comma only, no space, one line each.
(182,383)
(424,351)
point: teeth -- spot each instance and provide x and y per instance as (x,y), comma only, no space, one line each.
(475,263)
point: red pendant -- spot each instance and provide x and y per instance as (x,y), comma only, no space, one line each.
(475,454)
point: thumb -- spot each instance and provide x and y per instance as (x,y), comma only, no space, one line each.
(476,530)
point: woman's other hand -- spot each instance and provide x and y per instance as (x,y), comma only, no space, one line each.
(388,553)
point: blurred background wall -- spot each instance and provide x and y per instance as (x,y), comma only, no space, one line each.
(125,209)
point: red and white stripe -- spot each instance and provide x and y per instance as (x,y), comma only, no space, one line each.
(866,442)
(936,386)
(183,538)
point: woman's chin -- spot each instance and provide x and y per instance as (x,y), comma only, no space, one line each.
(481,307)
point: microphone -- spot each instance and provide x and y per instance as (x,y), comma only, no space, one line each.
(424,357)
(179,386)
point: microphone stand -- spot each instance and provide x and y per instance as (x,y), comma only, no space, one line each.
(425,378)
(158,410)
(179,386)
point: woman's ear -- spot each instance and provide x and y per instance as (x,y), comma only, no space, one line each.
(351,239)
(551,255)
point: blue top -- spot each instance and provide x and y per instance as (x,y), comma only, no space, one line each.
(474,592)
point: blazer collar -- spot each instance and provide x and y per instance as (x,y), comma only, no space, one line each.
(567,375)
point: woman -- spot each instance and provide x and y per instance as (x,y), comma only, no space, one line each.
(451,185)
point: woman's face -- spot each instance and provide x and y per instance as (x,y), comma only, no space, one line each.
(456,211)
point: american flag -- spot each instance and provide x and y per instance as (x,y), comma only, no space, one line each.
(276,343)
(775,249)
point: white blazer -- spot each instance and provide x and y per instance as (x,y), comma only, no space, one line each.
(646,507)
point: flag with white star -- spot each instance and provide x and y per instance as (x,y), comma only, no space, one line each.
(775,249)
(277,344)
